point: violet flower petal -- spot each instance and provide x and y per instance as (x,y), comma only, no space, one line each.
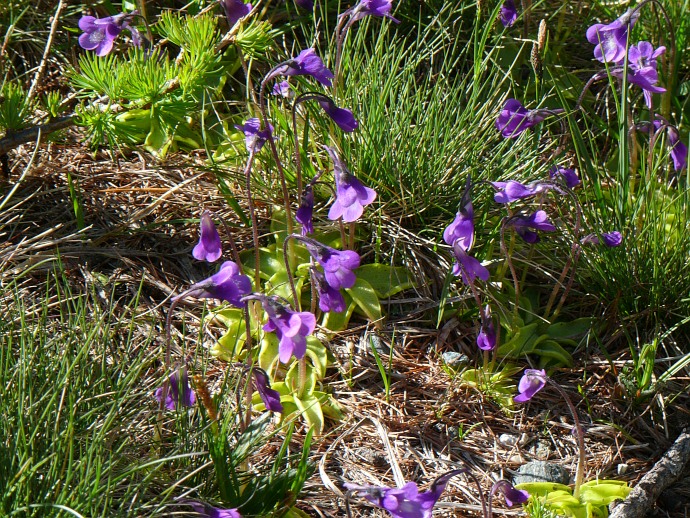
(229,284)
(209,247)
(531,382)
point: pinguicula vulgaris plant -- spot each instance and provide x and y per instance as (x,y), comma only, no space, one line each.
(145,97)
(584,499)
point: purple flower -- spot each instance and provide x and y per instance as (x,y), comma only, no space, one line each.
(515,118)
(282,89)
(611,40)
(508,13)
(209,247)
(642,72)
(350,195)
(467,266)
(208,511)
(306,64)
(407,501)
(537,221)
(371,8)
(100,33)
(532,381)
(270,397)
(512,496)
(486,339)
(254,136)
(330,299)
(291,327)
(305,212)
(179,391)
(338,266)
(569,176)
(341,116)
(462,228)
(679,151)
(229,284)
(305,4)
(610,239)
(234,10)
(512,190)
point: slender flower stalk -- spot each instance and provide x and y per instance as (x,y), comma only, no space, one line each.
(532,382)
(341,116)
(276,158)
(379,8)
(248,335)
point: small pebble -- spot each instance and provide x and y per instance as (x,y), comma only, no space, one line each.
(622,469)
(508,441)
(454,359)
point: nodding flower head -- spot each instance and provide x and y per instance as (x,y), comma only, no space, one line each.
(351,196)
(532,381)
(208,511)
(305,4)
(462,228)
(338,266)
(466,266)
(679,151)
(610,239)
(100,33)
(511,190)
(179,392)
(234,10)
(569,176)
(270,397)
(407,501)
(486,339)
(526,226)
(330,298)
(305,213)
(515,118)
(508,13)
(642,69)
(341,116)
(512,496)
(254,136)
(611,40)
(291,327)
(307,63)
(371,8)
(209,247)
(229,284)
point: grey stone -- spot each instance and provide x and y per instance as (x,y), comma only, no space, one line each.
(454,359)
(540,449)
(542,471)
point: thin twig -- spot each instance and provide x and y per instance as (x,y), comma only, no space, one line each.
(46,52)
